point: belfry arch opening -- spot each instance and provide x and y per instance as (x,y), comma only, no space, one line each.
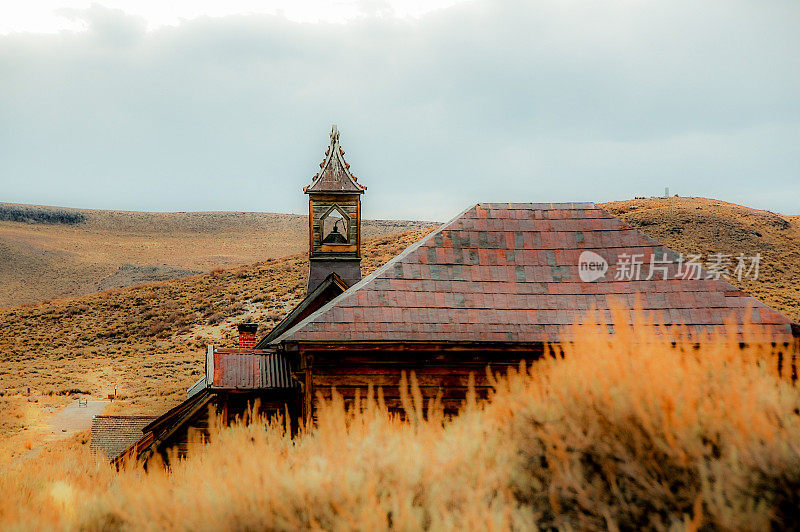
(335,227)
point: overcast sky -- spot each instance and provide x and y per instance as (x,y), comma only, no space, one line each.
(195,107)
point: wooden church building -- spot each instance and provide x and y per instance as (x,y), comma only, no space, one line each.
(493,286)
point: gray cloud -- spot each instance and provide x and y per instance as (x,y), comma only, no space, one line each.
(108,27)
(498,101)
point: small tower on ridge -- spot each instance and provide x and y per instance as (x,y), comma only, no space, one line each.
(334,216)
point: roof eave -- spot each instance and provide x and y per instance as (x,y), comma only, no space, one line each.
(309,190)
(332,279)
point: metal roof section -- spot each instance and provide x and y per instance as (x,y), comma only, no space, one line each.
(244,369)
(250,370)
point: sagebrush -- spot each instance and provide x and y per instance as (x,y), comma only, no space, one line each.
(625,431)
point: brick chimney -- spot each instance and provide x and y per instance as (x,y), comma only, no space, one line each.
(247,335)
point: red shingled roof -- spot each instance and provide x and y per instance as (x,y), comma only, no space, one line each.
(509,272)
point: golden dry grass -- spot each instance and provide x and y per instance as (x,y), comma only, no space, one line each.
(624,432)
(24,425)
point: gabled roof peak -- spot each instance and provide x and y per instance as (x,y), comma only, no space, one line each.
(510,272)
(334,174)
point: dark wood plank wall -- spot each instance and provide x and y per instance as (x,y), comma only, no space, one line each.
(445,374)
(232,405)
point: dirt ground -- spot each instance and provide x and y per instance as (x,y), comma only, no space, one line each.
(30,423)
(76,417)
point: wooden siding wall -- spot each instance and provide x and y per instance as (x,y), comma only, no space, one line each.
(438,374)
(350,204)
(232,406)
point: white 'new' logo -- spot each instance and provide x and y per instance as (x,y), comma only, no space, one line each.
(591,266)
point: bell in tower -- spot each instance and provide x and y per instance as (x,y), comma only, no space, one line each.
(334,210)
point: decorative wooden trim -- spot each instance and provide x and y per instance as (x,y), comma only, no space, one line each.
(310,227)
(153,446)
(210,365)
(344,248)
(407,346)
(335,151)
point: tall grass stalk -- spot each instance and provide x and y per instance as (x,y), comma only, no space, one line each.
(624,431)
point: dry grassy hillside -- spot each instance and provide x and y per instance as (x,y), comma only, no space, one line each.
(149,339)
(48,252)
(705,226)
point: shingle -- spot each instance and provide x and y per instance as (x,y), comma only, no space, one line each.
(511,271)
(113,434)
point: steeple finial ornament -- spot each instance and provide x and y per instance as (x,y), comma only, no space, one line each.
(334,175)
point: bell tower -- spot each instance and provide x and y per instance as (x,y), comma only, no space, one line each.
(334,219)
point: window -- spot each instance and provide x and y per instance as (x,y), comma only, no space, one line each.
(335,227)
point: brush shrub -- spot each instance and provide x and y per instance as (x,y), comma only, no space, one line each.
(40,215)
(625,431)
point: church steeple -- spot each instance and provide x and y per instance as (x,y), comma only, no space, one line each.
(335,176)
(334,210)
